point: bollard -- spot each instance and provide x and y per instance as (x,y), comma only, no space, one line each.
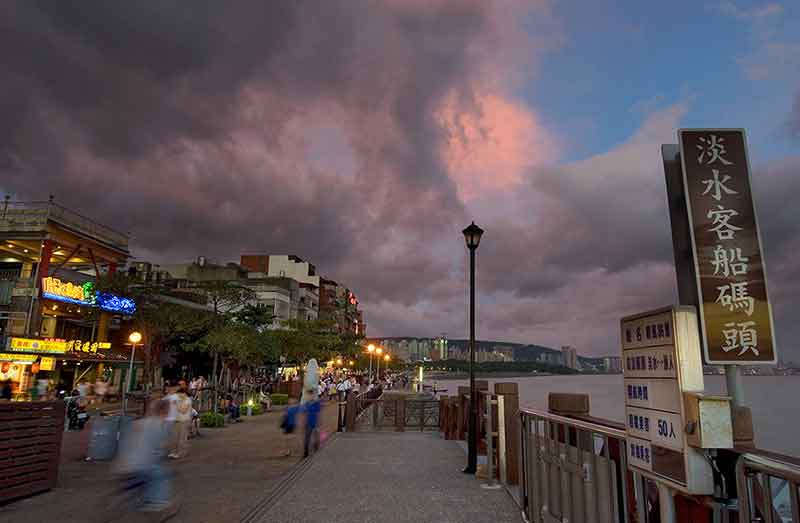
(509,428)
(350,413)
(400,414)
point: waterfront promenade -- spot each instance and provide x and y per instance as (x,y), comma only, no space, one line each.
(387,477)
(238,473)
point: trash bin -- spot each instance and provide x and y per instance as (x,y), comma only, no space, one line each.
(105,434)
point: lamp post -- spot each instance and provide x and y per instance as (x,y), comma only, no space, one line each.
(370,350)
(378,351)
(135,337)
(386,358)
(472,235)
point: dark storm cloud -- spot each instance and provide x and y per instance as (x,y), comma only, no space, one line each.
(169,120)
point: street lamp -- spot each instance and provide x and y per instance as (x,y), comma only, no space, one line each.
(370,350)
(339,361)
(135,337)
(472,235)
(378,351)
(386,358)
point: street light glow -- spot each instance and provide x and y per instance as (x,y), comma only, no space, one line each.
(338,361)
(370,348)
(379,351)
(386,358)
(135,337)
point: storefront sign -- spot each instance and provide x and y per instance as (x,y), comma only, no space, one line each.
(18,358)
(735,312)
(87,346)
(47,363)
(85,294)
(38,346)
(662,359)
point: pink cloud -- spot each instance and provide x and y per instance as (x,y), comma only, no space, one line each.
(490,145)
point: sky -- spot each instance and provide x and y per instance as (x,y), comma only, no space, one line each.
(363,136)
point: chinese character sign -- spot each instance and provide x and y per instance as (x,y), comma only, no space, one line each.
(734,308)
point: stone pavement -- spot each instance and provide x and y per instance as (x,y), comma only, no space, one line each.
(385,477)
(227,472)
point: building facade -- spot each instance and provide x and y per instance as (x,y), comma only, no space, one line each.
(55,324)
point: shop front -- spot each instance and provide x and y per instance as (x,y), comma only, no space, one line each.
(44,368)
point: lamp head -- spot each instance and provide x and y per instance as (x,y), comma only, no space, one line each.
(472,235)
(135,337)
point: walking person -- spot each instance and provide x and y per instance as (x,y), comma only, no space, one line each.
(140,460)
(180,415)
(312,409)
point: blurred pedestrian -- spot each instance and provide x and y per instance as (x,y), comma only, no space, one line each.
(140,460)
(312,408)
(288,425)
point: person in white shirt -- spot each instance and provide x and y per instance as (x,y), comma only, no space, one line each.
(179,418)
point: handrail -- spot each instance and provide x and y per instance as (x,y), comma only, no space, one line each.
(594,427)
(772,466)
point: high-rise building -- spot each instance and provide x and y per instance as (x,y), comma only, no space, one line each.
(570,357)
(612,364)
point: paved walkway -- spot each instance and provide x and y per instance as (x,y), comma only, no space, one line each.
(385,477)
(228,472)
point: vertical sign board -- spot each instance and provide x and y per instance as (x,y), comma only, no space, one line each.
(734,308)
(661,360)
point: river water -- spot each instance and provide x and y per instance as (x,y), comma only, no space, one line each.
(773,400)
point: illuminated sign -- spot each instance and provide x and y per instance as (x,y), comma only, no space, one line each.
(18,358)
(47,363)
(114,303)
(85,294)
(87,346)
(39,346)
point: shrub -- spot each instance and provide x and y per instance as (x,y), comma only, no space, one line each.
(212,419)
(280,399)
(257,409)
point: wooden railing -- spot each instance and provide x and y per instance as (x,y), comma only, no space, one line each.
(30,447)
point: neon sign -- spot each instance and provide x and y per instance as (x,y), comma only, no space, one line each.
(86,294)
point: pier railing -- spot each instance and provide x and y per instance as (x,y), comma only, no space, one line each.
(572,470)
(768,489)
(365,412)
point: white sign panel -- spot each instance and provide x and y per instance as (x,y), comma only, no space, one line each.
(640,454)
(662,428)
(653,394)
(657,362)
(661,359)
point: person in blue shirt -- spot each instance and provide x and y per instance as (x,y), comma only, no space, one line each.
(312,409)
(288,425)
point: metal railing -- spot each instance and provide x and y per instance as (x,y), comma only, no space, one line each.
(36,213)
(768,489)
(572,470)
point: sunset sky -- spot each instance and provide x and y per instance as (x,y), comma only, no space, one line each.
(364,135)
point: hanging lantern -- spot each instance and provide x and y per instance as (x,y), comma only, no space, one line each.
(34,368)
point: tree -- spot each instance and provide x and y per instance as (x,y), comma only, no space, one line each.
(301,340)
(163,323)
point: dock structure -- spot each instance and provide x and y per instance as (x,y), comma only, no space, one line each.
(385,477)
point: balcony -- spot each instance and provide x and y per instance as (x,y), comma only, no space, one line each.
(32,217)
